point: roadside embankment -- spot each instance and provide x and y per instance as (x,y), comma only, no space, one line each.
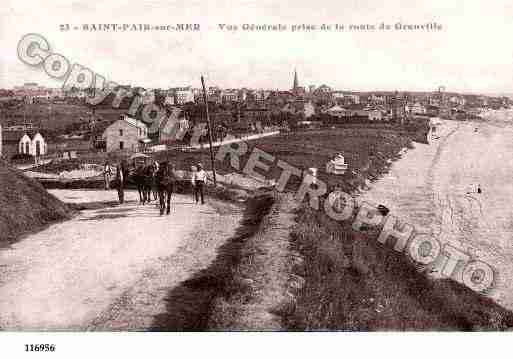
(261,289)
(25,206)
(353,282)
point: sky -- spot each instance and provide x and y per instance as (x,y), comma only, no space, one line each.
(472,53)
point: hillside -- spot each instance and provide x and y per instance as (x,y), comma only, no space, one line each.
(25,206)
(50,117)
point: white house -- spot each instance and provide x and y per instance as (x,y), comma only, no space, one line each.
(375,115)
(35,145)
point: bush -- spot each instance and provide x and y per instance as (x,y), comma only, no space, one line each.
(22,158)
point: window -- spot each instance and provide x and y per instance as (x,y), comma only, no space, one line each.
(121,144)
(121,132)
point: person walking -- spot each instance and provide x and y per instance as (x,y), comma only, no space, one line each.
(193,184)
(154,181)
(120,181)
(199,179)
(107,174)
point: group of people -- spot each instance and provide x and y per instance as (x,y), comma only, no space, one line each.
(157,179)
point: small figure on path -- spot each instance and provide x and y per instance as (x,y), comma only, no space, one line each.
(479,189)
(154,181)
(107,174)
(193,183)
(120,182)
(199,179)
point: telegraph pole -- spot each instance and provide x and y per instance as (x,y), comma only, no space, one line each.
(209,131)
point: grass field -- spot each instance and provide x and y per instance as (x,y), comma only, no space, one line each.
(51,117)
(365,150)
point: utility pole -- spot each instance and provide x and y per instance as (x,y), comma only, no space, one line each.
(209,131)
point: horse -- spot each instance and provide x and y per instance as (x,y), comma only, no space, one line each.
(165,180)
(149,175)
(143,178)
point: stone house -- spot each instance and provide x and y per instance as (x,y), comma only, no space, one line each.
(126,134)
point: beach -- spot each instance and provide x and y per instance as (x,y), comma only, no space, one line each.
(434,188)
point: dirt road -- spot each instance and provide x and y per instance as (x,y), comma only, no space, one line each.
(109,268)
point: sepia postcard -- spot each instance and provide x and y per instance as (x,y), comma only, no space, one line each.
(254,166)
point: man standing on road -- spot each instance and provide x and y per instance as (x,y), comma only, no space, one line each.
(199,179)
(120,181)
(154,181)
(193,184)
(107,174)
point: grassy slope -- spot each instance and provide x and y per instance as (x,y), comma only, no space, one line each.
(355,283)
(25,205)
(254,298)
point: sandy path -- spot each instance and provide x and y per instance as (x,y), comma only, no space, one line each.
(73,275)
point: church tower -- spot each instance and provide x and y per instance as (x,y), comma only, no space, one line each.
(296,82)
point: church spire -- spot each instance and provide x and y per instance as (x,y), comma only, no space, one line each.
(296,83)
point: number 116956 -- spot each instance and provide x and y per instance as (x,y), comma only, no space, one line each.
(39,347)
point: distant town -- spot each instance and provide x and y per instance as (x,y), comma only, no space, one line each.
(40,121)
